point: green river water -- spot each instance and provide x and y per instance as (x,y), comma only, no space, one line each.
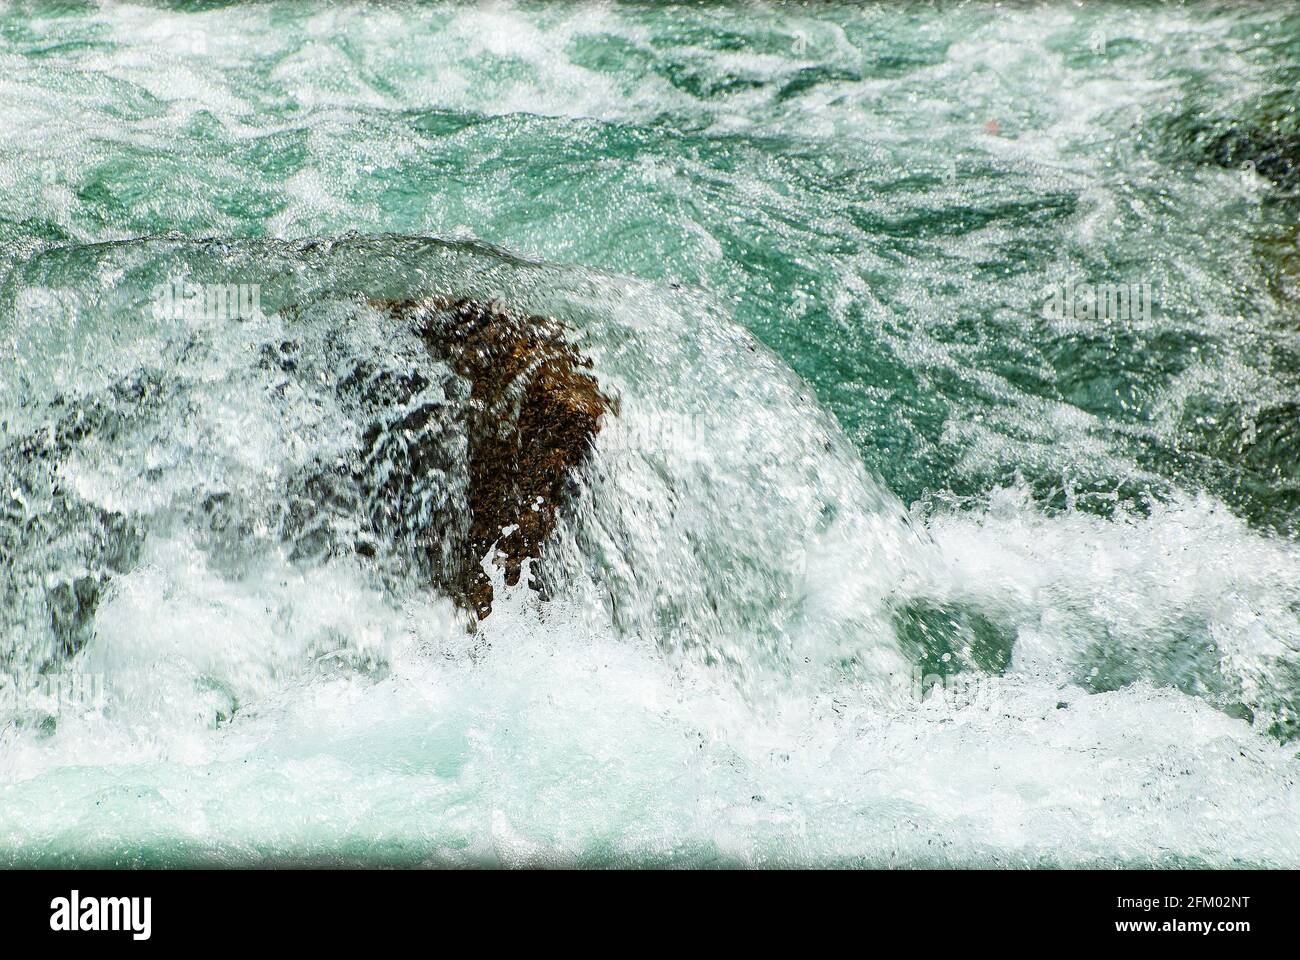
(886,562)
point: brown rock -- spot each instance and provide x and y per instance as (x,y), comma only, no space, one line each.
(533,414)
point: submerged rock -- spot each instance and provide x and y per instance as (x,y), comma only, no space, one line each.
(471,425)
(1264,140)
(1272,153)
(59,551)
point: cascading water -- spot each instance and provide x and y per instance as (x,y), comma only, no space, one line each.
(874,561)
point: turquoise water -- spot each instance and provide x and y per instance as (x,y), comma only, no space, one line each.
(811,249)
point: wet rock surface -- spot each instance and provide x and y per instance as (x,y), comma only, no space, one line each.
(471,425)
(531,414)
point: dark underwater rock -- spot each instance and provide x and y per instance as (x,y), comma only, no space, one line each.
(59,551)
(471,423)
(1265,141)
(1272,153)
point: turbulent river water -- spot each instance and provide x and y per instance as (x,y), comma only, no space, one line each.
(887,558)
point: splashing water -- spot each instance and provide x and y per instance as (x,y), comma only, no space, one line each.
(879,562)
